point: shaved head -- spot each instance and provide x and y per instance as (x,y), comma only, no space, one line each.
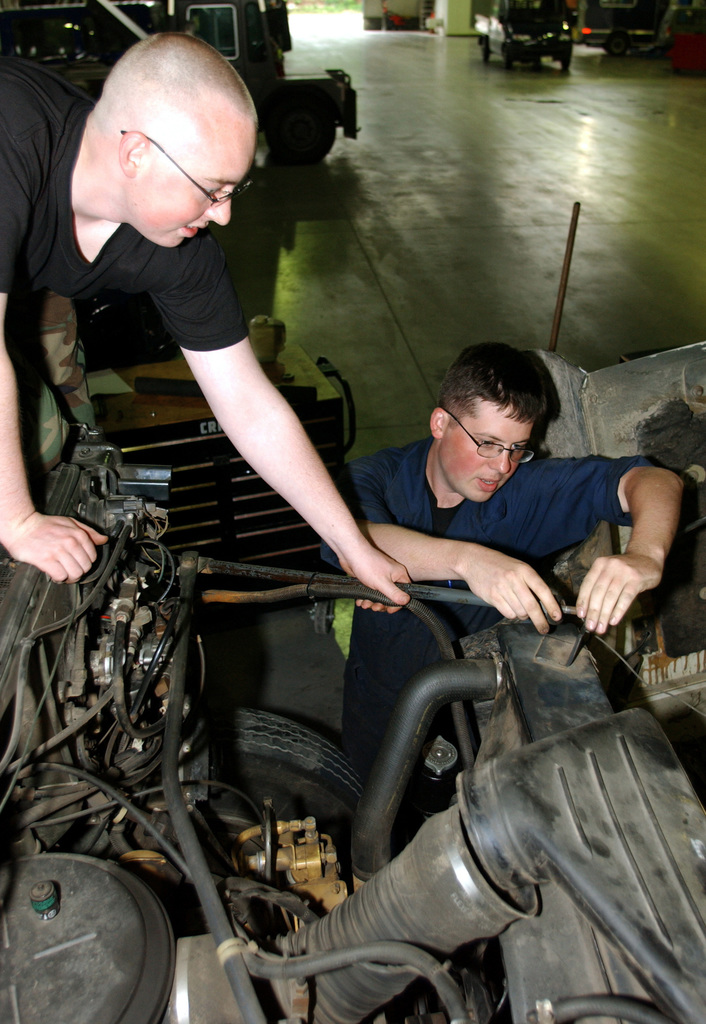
(170,78)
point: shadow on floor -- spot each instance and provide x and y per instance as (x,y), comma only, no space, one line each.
(271,658)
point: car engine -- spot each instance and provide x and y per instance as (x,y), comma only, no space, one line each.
(155,870)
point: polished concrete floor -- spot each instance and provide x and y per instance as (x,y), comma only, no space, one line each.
(445,223)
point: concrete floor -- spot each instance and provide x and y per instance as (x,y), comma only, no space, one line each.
(445,223)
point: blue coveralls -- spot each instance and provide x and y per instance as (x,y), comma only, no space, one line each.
(545,507)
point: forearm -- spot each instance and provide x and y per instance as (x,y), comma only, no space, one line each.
(506,583)
(58,545)
(270,437)
(15,500)
(425,557)
(268,434)
(653,498)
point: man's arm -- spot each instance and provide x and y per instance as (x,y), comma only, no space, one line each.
(268,434)
(652,496)
(60,546)
(506,583)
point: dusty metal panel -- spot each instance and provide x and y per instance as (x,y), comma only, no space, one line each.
(654,406)
(617,400)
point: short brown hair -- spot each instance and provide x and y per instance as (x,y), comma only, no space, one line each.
(495,373)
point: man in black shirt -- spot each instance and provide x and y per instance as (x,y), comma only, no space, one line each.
(118,195)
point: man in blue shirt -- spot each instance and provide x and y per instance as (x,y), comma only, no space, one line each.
(468,506)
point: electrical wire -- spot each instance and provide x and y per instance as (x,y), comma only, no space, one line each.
(155,659)
(30,639)
(22,676)
(135,813)
(68,620)
(58,738)
(117,683)
(641,678)
(214,912)
(263,965)
(167,558)
(229,789)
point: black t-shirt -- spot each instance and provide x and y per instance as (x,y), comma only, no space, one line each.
(42,118)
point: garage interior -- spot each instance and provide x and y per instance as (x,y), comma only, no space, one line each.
(177,854)
(445,223)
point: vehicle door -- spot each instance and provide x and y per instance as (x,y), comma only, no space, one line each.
(239,32)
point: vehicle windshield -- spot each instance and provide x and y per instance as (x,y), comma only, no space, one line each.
(534,10)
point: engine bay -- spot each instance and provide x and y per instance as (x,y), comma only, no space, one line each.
(160,866)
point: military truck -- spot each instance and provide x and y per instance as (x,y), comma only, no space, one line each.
(299,114)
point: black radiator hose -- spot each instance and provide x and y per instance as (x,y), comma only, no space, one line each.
(433,895)
(216,918)
(419,700)
(330,587)
(584,1008)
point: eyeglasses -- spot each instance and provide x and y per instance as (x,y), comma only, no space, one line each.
(491,450)
(213,197)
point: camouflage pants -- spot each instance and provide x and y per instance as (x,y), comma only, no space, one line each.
(51,382)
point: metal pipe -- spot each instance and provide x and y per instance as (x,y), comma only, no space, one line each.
(564,278)
(311,580)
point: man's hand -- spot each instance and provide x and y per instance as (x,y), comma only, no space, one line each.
(60,546)
(511,586)
(611,585)
(379,572)
(653,498)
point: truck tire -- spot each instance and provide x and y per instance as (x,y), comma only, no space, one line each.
(300,130)
(617,44)
(266,755)
(485,43)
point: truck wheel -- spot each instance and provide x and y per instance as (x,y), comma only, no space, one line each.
(266,755)
(617,44)
(486,49)
(507,59)
(300,130)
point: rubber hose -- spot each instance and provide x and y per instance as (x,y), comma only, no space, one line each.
(566,1011)
(117,685)
(352,589)
(387,952)
(438,631)
(58,738)
(134,812)
(154,663)
(432,894)
(118,841)
(15,733)
(86,843)
(418,702)
(214,912)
